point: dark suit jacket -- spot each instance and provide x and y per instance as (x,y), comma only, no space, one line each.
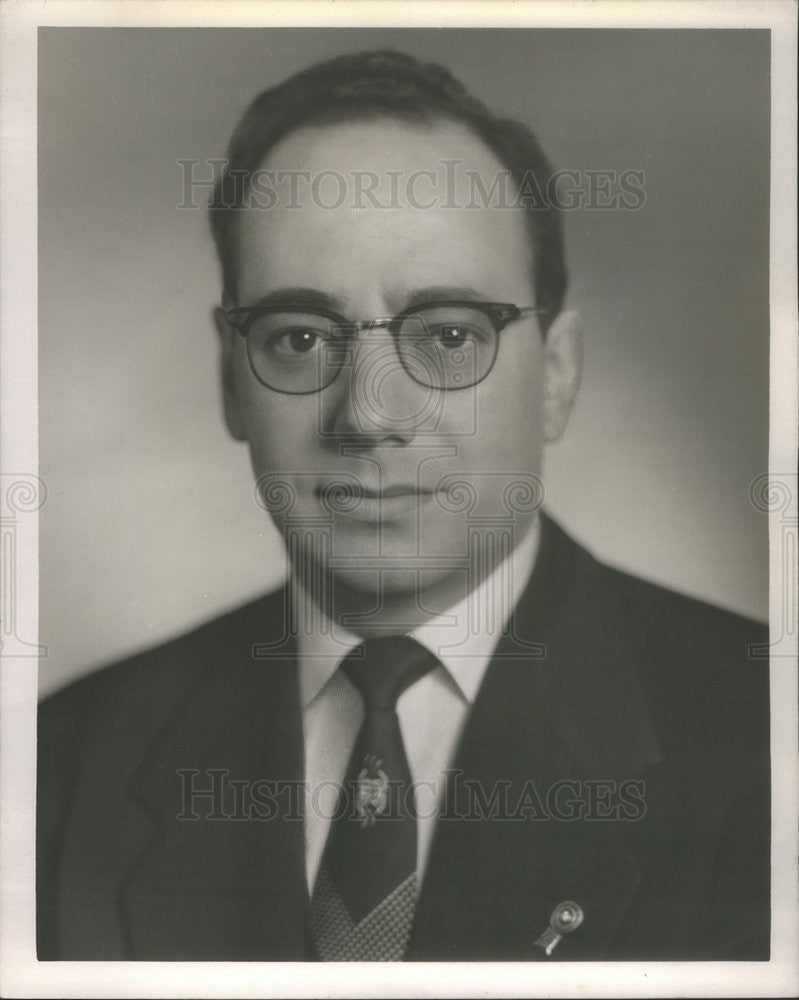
(603,679)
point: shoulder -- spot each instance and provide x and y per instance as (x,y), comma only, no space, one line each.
(700,664)
(658,616)
(702,668)
(148,685)
(678,629)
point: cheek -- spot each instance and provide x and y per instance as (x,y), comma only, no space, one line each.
(282,456)
(510,407)
(278,440)
(280,429)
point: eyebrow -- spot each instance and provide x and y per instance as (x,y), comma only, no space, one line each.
(298,295)
(313,298)
(441,293)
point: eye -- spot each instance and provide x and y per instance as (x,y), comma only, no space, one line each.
(455,334)
(447,327)
(288,338)
(301,340)
(295,340)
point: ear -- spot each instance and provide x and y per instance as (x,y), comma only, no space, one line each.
(563,367)
(228,342)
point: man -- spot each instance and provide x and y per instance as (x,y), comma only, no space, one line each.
(454,735)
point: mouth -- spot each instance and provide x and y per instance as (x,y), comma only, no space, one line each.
(389,491)
(370,504)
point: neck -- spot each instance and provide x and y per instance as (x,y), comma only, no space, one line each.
(396,598)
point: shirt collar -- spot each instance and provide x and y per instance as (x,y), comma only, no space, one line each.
(462,638)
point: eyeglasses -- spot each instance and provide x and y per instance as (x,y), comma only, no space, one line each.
(441,345)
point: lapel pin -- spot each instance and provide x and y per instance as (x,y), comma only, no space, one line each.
(566,917)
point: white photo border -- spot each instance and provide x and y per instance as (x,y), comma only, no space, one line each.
(21,974)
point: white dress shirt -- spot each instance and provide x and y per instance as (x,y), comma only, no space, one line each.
(431,712)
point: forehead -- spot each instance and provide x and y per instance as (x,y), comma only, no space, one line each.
(382,206)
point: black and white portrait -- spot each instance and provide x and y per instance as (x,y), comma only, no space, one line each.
(404,496)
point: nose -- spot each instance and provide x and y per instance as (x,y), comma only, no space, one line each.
(374,400)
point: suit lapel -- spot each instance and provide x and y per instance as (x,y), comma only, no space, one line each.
(542,729)
(222,875)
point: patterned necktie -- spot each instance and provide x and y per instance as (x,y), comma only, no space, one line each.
(365,894)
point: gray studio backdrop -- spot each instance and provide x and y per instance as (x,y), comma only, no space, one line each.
(150,524)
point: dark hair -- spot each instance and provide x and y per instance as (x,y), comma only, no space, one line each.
(378,84)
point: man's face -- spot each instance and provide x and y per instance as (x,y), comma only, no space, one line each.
(427,475)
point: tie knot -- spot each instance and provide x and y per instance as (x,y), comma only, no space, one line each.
(383,668)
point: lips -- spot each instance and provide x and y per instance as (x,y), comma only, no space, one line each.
(349,489)
(392,491)
(371,504)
